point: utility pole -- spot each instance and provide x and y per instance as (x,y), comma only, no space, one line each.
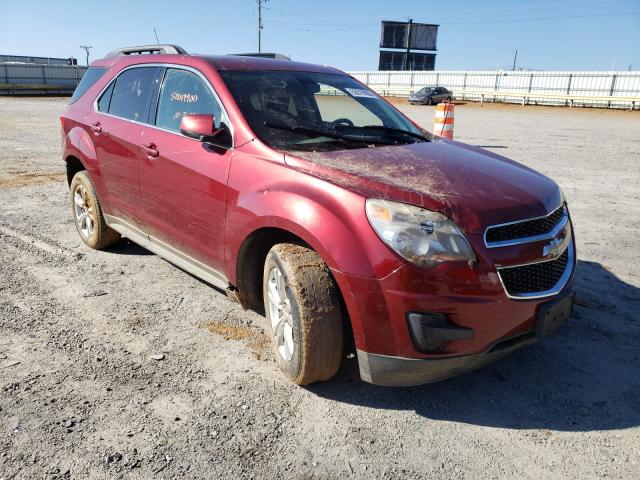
(86,48)
(407,61)
(515,57)
(260,25)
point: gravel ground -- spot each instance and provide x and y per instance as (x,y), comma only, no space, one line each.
(116,364)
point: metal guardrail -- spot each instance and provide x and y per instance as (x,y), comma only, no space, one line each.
(35,89)
(596,89)
(25,78)
(569,99)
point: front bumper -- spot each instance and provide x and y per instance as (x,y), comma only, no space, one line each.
(397,371)
(470,298)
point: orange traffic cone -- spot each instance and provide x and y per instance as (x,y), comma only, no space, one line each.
(443,125)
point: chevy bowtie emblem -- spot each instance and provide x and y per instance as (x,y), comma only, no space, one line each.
(552,249)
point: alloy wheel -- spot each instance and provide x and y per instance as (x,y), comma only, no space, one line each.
(280,314)
(85,213)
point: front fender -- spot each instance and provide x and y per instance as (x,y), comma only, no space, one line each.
(330,218)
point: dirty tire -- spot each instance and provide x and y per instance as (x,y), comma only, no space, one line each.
(315,313)
(101,235)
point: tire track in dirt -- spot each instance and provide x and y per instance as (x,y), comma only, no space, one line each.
(37,244)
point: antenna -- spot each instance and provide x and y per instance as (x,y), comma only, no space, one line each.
(86,48)
(515,57)
(156,34)
(260,25)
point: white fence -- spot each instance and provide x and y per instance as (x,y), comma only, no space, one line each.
(598,89)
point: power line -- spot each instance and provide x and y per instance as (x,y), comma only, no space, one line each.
(519,7)
(541,19)
(289,16)
(312,27)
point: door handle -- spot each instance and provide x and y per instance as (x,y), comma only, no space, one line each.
(96,127)
(151,150)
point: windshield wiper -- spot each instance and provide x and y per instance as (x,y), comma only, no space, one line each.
(306,130)
(395,130)
(346,138)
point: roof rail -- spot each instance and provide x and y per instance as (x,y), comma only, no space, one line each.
(148,49)
(276,56)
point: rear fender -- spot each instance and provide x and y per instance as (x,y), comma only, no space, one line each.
(78,143)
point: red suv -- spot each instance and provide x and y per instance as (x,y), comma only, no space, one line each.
(308,197)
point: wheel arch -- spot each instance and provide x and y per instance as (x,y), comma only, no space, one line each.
(250,261)
(250,265)
(74,165)
(78,148)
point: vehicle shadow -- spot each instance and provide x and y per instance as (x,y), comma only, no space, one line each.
(582,378)
(127,247)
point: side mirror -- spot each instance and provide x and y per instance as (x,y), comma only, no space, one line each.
(200,126)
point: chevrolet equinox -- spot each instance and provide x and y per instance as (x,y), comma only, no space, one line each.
(307,196)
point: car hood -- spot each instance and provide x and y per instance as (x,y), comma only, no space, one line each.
(472,186)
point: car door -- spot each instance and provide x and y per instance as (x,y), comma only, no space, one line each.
(117,126)
(183,181)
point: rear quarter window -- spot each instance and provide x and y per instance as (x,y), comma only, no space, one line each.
(91,76)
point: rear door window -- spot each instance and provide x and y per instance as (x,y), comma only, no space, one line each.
(184,93)
(90,77)
(132,93)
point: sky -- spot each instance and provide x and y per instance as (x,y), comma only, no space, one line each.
(549,35)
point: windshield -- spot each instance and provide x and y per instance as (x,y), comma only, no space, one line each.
(317,111)
(427,90)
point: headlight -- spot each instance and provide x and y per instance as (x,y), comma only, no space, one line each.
(420,236)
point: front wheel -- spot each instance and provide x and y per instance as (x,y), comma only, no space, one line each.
(303,308)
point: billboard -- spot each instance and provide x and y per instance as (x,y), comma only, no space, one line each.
(415,36)
(423,36)
(398,61)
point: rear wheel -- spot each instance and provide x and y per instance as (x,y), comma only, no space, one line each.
(303,307)
(429,101)
(87,214)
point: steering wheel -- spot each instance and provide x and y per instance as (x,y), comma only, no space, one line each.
(342,121)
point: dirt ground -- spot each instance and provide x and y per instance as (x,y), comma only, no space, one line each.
(116,364)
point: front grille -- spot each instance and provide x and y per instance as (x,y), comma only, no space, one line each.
(526,228)
(536,277)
